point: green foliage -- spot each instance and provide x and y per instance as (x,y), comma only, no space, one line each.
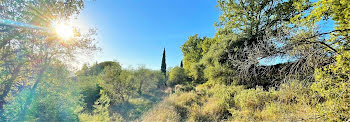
(337,10)
(215,71)
(131,91)
(18,47)
(89,89)
(311,13)
(184,88)
(114,82)
(56,99)
(101,108)
(218,79)
(252,19)
(332,84)
(95,69)
(146,80)
(193,50)
(101,111)
(31,52)
(177,76)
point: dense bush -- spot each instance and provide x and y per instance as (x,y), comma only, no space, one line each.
(177,76)
(291,102)
(90,90)
(162,112)
(333,85)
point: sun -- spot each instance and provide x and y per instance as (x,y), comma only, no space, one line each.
(64,30)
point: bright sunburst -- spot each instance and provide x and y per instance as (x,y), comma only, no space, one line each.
(64,30)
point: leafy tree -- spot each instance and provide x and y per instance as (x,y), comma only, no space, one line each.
(98,68)
(193,50)
(247,31)
(142,77)
(31,49)
(88,78)
(332,79)
(328,11)
(114,82)
(252,19)
(177,76)
(146,79)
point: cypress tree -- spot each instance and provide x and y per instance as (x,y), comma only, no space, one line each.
(182,64)
(163,67)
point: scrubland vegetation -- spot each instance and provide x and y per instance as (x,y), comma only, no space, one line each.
(228,77)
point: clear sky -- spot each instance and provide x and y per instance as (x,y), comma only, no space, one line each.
(134,32)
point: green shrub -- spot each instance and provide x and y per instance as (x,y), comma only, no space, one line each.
(90,90)
(177,76)
(183,88)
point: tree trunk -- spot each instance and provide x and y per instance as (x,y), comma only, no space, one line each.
(8,84)
(140,87)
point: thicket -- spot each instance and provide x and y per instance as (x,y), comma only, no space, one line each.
(241,74)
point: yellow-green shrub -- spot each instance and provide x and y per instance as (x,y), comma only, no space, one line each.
(176,107)
(290,102)
(253,99)
(333,84)
(211,110)
(294,92)
(162,113)
(293,101)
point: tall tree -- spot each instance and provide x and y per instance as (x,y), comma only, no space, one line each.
(247,30)
(163,67)
(182,64)
(27,52)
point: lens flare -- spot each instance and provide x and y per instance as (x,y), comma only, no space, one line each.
(64,31)
(4,22)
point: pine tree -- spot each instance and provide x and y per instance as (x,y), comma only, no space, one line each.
(163,67)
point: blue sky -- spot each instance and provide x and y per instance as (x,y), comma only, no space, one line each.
(134,32)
